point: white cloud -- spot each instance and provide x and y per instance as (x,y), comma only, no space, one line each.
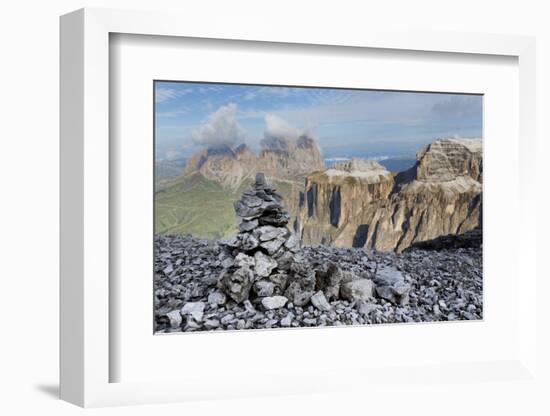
(278,127)
(163,94)
(174,113)
(220,128)
(278,133)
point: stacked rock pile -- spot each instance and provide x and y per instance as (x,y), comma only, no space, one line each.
(261,256)
(264,263)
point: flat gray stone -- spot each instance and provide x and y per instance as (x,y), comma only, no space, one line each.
(273,245)
(175,319)
(211,323)
(320,301)
(242,260)
(264,288)
(274,302)
(269,232)
(388,276)
(217,298)
(287,320)
(360,289)
(264,265)
(248,225)
(193,309)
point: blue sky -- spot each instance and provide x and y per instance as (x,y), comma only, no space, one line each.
(346,123)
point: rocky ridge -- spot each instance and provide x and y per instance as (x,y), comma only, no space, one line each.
(361,204)
(289,159)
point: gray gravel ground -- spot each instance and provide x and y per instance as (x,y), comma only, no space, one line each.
(446,285)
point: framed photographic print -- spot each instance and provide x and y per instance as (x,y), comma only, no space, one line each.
(249,206)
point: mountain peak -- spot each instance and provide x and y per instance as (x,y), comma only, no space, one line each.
(220,150)
(280,157)
(445,159)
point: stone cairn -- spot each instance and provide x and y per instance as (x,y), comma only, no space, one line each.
(263,263)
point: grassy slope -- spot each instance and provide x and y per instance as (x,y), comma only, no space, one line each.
(195,205)
(198,206)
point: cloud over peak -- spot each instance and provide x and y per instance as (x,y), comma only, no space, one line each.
(221,128)
(278,133)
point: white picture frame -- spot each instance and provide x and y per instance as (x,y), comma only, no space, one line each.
(86,356)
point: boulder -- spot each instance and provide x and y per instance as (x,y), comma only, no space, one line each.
(360,289)
(237,284)
(264,265)
(301,285)
(248,225)
(329,280)
(280,281)
(273,245)
(242,260)
(364,307)
(249,242)
(297,294)
(398,294)
(287,320)
(285,261)
(217,298)
(264,288)
(175,319)
(320,301)
(193,309)
(391,286)
(269,232)
(388,276)
(274,302)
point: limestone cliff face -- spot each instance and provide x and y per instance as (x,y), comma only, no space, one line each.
(361,204)
(227,166)
(446,159)
(231,167)
(297,159)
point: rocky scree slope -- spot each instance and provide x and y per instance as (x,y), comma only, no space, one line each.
(446,285)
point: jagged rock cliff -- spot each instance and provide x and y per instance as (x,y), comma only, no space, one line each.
(290,160)
(446,159)
(361,204)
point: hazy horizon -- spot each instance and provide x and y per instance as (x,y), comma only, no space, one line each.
(345,122)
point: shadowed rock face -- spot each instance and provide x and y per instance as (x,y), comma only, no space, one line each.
(360,204)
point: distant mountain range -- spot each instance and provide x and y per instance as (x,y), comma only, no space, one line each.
(200,199)
(387,205)
(169,168)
